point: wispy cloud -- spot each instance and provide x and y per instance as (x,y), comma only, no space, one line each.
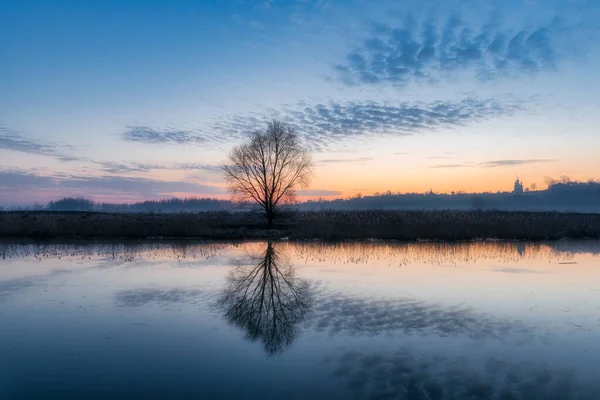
(120,168)
(16,141)
(326,124)
(356,160)
(438,157)
(496,163)
(451,166)
(145,134)
(319,192)
(132,167)
(20,179)
(142,186)
(197,167)
(508,163)
(431,49)
(66,158)
(209,135)
(12,180)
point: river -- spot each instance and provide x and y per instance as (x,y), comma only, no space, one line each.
(299,320)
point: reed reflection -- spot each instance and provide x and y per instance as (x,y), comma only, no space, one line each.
(263,297)
(343,252)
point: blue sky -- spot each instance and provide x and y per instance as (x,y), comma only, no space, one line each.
(127,100)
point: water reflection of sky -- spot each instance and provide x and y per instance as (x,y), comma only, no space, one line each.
(366,320)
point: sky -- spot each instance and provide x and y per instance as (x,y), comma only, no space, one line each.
(127,100)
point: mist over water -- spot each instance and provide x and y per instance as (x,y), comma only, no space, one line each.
(479,320)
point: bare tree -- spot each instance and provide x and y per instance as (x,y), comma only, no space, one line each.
(550,181)
(564,179)
(269,168)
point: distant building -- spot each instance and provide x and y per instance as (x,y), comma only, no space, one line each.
(518,187)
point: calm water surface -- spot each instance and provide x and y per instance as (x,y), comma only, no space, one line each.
(300,320)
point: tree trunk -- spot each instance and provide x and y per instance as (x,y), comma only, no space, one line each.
(270,216)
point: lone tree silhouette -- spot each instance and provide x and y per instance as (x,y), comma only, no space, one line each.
(269,168)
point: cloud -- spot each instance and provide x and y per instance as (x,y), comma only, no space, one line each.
(19,179)
(144,134)
(319,192)
(142,186)
(508,163)
(326,124)
(119,168)
(16,181)
(496,163)
(432,49)
(16,141)
(130,167)
(198,167)
(451,166)
(65,158)
(214,134)
(210,135)
(357,160)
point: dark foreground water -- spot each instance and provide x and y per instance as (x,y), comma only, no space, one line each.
(300,321)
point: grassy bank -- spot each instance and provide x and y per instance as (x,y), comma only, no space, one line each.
(334,225)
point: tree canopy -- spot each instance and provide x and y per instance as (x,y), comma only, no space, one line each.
(269,168)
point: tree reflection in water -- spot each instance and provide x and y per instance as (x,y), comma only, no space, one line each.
(266,300)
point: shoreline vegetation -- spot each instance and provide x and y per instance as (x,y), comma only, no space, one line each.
(323,225)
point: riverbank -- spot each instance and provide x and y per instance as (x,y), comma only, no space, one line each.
(325,225)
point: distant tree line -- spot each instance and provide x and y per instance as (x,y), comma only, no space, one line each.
(166,205)
(561,195)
